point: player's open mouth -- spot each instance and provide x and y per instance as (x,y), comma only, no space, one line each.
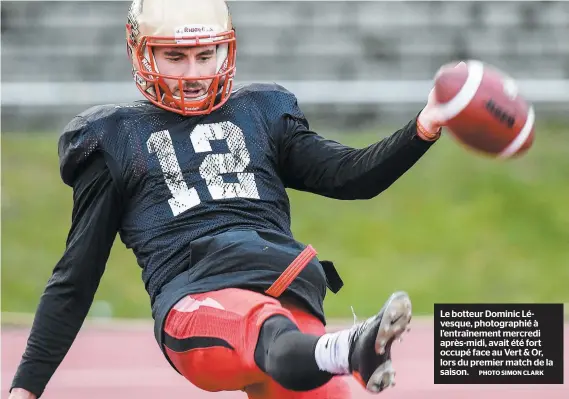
(192,93)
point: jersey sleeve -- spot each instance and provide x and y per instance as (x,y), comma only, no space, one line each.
(76,145)
(312,163)
(69,293)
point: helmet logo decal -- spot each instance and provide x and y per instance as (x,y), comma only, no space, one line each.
(185,34)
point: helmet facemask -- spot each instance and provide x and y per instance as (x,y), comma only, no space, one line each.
(151,81)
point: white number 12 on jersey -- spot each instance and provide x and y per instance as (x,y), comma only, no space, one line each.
(211,169)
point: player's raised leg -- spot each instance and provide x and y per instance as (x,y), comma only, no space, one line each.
(235,339)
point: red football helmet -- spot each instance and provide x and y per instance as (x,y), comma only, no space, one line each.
(181,23)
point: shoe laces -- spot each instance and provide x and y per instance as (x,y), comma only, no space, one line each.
(357,329)
(354,314)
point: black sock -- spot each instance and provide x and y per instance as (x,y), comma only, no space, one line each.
(287,355)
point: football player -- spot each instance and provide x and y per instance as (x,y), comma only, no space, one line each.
(193,180)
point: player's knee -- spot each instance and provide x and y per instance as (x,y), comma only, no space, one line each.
(273,328)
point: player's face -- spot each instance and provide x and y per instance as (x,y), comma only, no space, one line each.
(188,62)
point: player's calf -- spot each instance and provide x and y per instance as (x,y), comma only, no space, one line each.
(287,355)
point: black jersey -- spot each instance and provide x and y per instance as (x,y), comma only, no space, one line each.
(201,201)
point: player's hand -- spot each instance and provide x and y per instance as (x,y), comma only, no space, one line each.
(20,393)
(431,120)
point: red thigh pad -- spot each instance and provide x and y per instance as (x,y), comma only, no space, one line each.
(211,337)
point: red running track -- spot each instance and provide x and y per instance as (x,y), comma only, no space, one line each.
(125,362)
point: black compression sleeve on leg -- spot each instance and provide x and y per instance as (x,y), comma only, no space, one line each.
(287,355)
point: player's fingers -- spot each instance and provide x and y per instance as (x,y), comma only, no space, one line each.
(447,66)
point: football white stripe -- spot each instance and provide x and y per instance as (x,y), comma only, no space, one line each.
(521,138)
(466,93)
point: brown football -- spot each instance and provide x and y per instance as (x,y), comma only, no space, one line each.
(484,109)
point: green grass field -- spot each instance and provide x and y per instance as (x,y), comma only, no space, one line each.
(457,228)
